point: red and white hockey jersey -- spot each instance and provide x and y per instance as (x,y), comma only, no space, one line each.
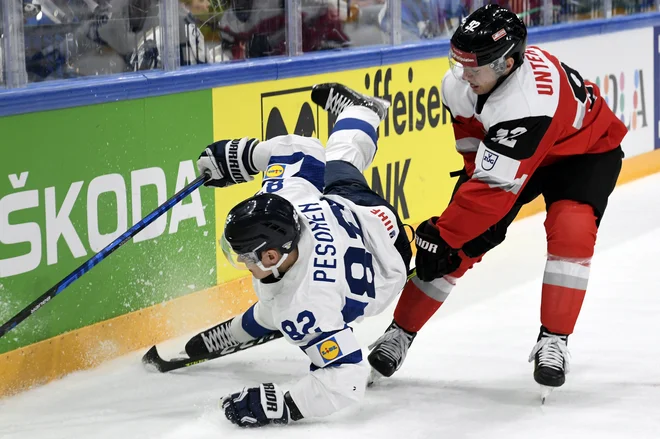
(542,112)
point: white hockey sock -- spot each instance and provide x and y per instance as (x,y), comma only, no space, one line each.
(354,140)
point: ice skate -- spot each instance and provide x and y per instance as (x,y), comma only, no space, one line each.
(388,352)
(334,98)
(212,340)
(551,361)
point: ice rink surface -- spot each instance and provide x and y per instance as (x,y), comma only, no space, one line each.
(466,375)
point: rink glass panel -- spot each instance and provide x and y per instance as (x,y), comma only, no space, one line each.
(78,38)
(69,39)
(628,7)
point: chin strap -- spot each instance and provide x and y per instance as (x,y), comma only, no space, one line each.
(274,268)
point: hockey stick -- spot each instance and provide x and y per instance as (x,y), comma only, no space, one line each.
(412,273)
(94,260)
(152,358)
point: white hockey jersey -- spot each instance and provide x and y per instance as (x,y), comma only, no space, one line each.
(347,268)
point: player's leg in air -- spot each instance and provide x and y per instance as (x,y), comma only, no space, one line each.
(349,151)
(351,148)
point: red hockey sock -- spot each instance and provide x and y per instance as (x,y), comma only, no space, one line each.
(420,300)
(571,231)
(560,308)
(415,307)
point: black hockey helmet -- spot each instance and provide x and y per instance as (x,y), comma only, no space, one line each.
(264,221)
(487,37)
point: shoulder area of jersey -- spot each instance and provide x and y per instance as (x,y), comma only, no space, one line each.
(449,79)
(531,90)
(539,76)
(454,89)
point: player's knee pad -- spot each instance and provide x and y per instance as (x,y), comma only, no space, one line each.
(571,230)
(353,138)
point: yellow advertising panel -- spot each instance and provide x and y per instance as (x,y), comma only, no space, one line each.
(415,148)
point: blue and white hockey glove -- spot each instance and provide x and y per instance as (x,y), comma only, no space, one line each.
(259,406)
(228,162)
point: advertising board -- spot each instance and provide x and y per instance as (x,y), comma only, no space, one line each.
(74,180)
(628,87)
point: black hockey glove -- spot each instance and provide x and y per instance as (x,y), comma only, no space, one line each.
(434,257)
(228,162)
(259,406)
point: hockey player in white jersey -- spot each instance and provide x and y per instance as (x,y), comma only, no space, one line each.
(324,250)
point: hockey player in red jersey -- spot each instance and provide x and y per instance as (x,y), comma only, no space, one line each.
(526,125)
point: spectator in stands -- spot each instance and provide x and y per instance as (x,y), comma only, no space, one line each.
(205,18)
(419,20)
(49,26)
(256,28)
(198,8)
(423,19)
(120,36)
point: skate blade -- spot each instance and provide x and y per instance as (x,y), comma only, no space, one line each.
(374,377)
(545,393)
(383,102)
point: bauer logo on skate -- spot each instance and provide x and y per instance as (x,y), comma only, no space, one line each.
(329,350)
(275,171)
(489,160)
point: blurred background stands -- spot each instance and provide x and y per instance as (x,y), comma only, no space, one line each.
(61,39)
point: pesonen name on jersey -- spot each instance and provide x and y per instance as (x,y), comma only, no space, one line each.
(324,263)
